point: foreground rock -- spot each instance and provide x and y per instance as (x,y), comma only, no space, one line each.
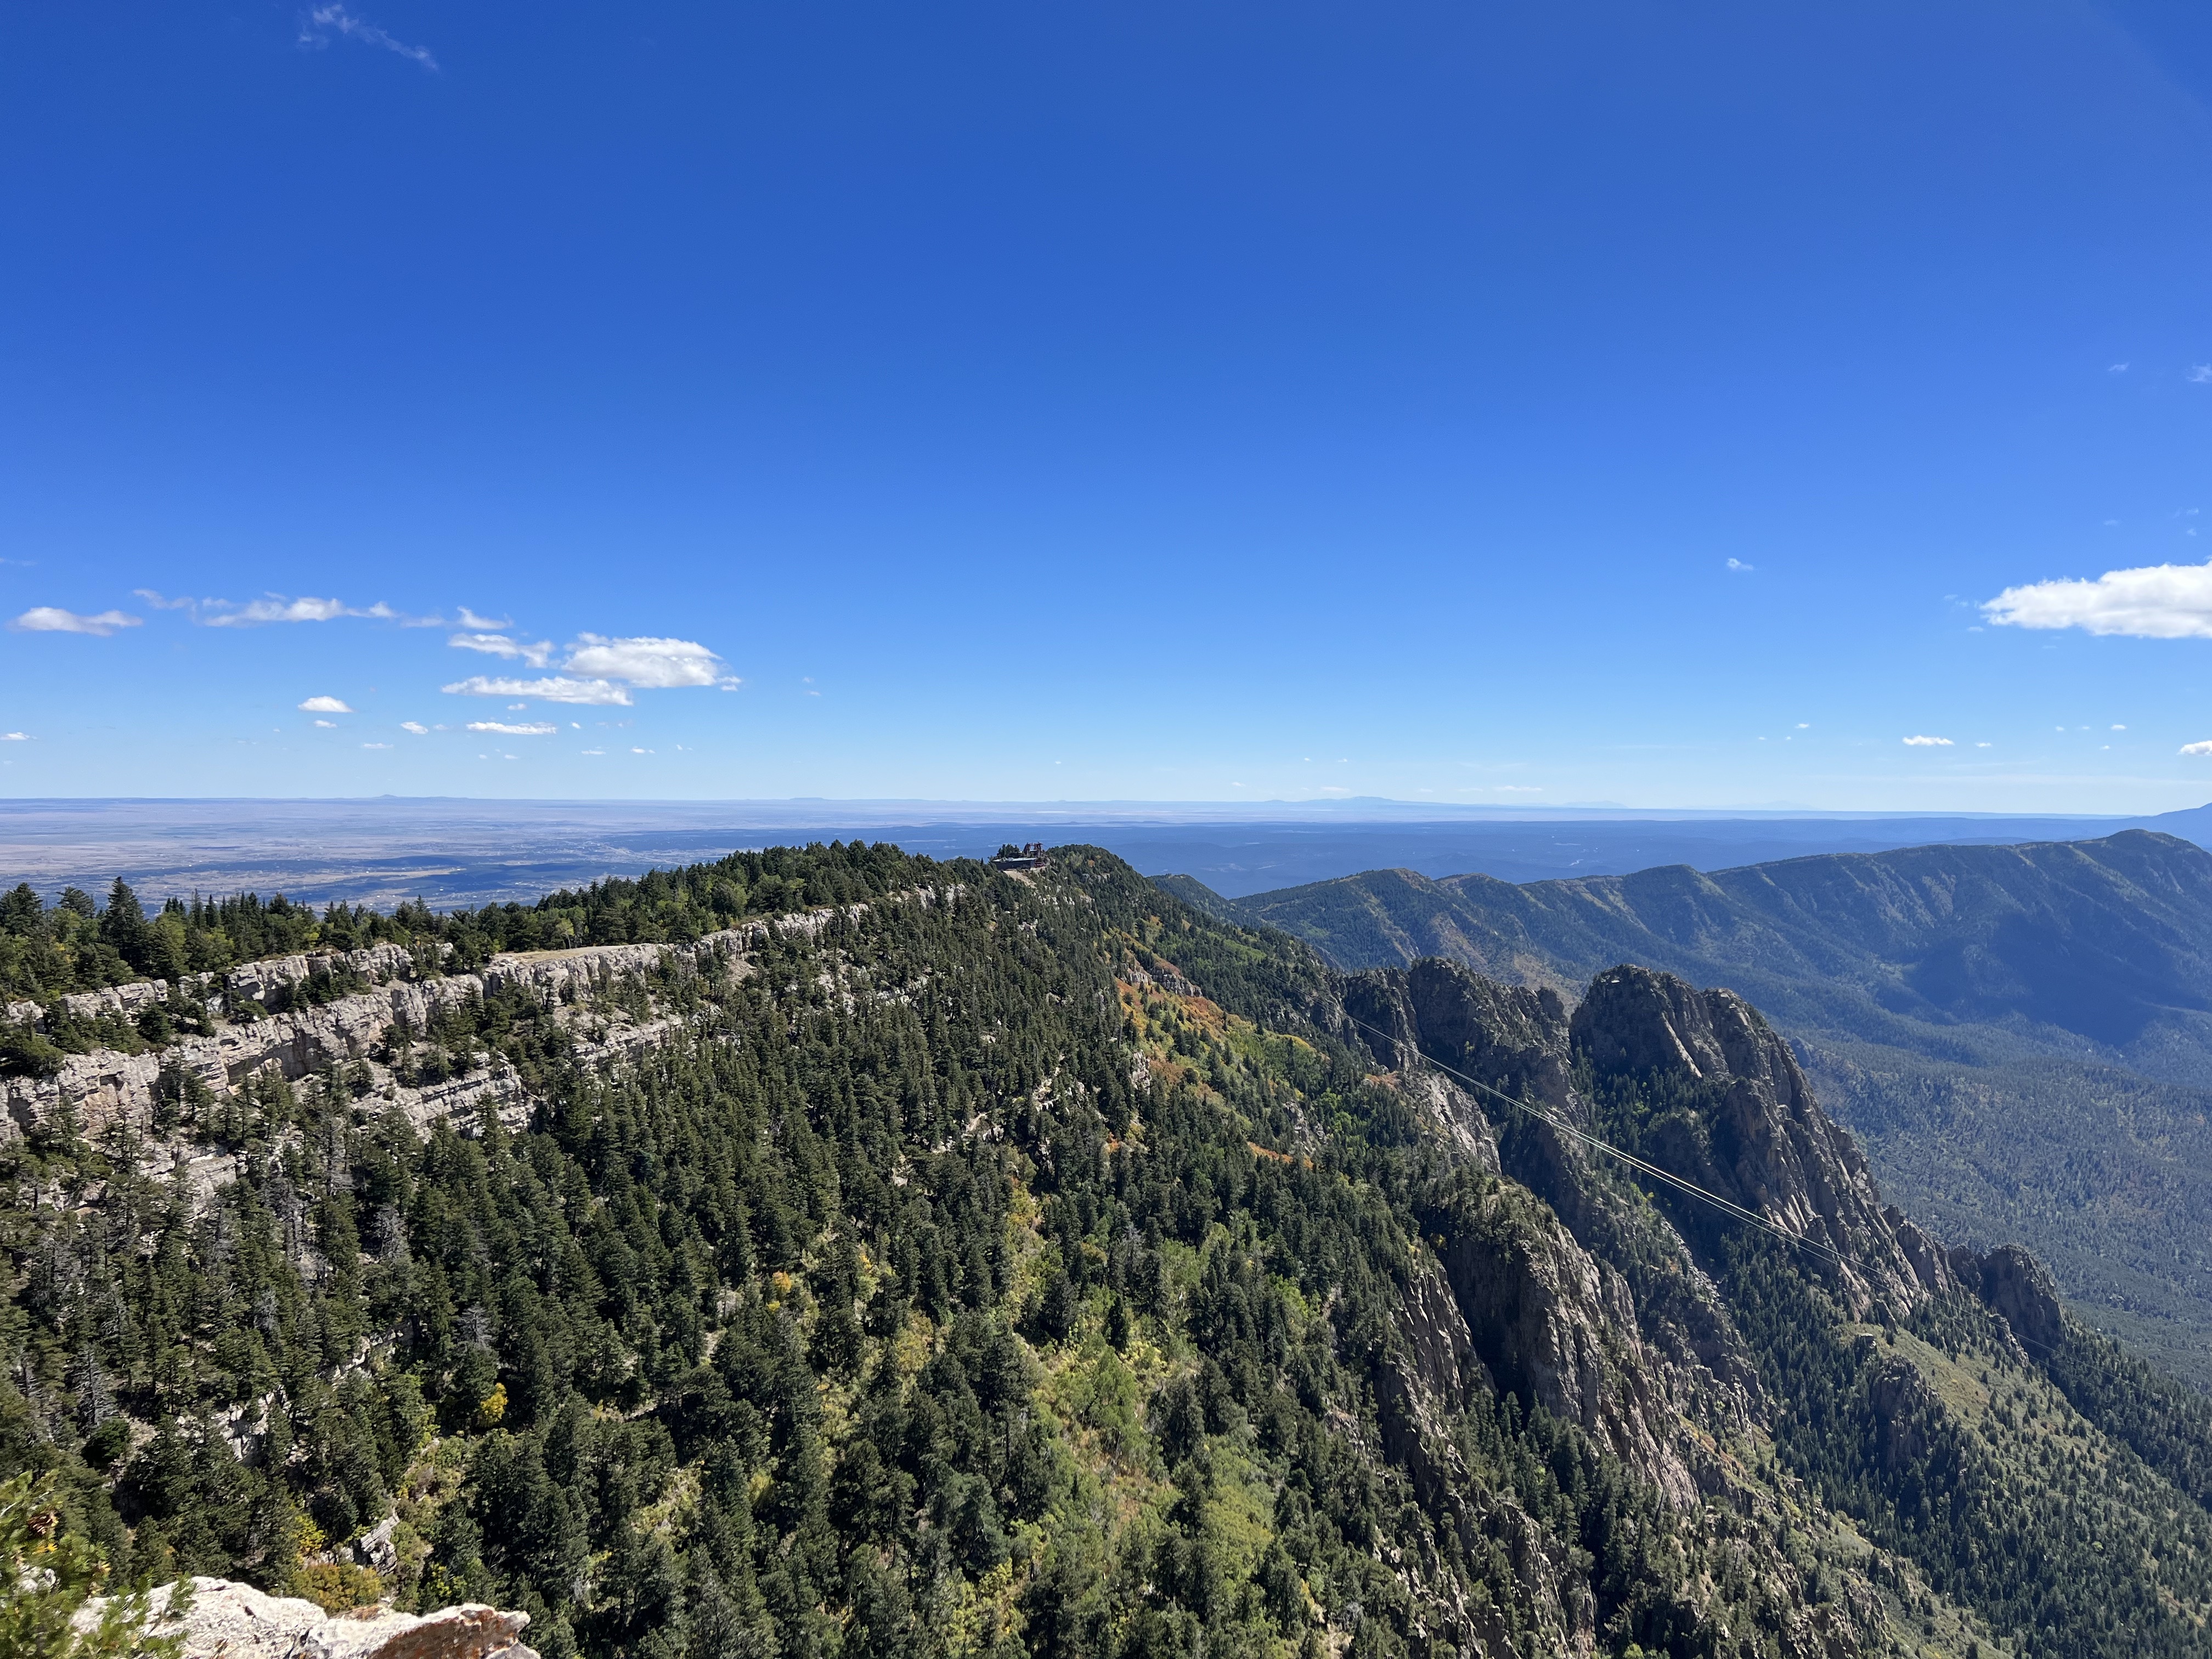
(237,1622)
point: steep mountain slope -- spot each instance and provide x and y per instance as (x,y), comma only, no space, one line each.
(2019,1035)
(977,1262)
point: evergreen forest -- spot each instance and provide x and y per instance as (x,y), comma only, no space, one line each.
(1003,1264)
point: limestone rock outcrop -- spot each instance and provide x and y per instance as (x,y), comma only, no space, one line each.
(230,1620)
(108,1086)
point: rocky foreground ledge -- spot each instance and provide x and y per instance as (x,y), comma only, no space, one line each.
(237,1621)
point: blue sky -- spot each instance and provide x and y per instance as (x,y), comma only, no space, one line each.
(1477,402)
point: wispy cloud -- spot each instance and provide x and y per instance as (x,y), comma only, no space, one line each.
(499,645)
(330,726)
(2150,601)
(1928,742)
(483,624)
(540,730)
(319,27)
(376,745)
(2199,374)
(2116,369)
(1738,564)
(275,608)
(326,706)
(416,726)
(162,603)
(53,619)
(15,736)
(552,689)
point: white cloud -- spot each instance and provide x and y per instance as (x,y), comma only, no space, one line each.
(2151,602)
(331,725)
(416,726)
(326,706)
(499,645)
(53,619)
(15,736)
(2199,374)
(640,752)
(158,603)
(503,727)
(558,688)
(1981,745)
(2116,369)
(591,752)
(1738,564)
(376,745)
(2196,748)
(648,661)
(2119,728)
(493,624)
(317,28)
(277,608)
(1929,742)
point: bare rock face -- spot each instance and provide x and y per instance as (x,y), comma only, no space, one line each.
(1755,1135)
(1516,1040)
(1556,1326)
(1905,1408)
(2020,1290)
(107,1086)
(237,1621)
(1429,1378)
(1508,1037)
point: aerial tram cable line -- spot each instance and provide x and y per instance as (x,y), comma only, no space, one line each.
(1643,1166)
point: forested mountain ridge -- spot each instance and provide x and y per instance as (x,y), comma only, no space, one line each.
(987,1263)
(2018,1033)
(2102,949)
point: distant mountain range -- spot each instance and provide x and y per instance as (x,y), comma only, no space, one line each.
(458,851)
(2021,1035)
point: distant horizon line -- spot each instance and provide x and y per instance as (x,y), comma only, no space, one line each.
(1338,808)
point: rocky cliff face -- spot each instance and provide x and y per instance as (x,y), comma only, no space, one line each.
(1558,1326)
(1751,1130)
(2018,1288)
(1510,1038)
(107,1086)
(1600,1310)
